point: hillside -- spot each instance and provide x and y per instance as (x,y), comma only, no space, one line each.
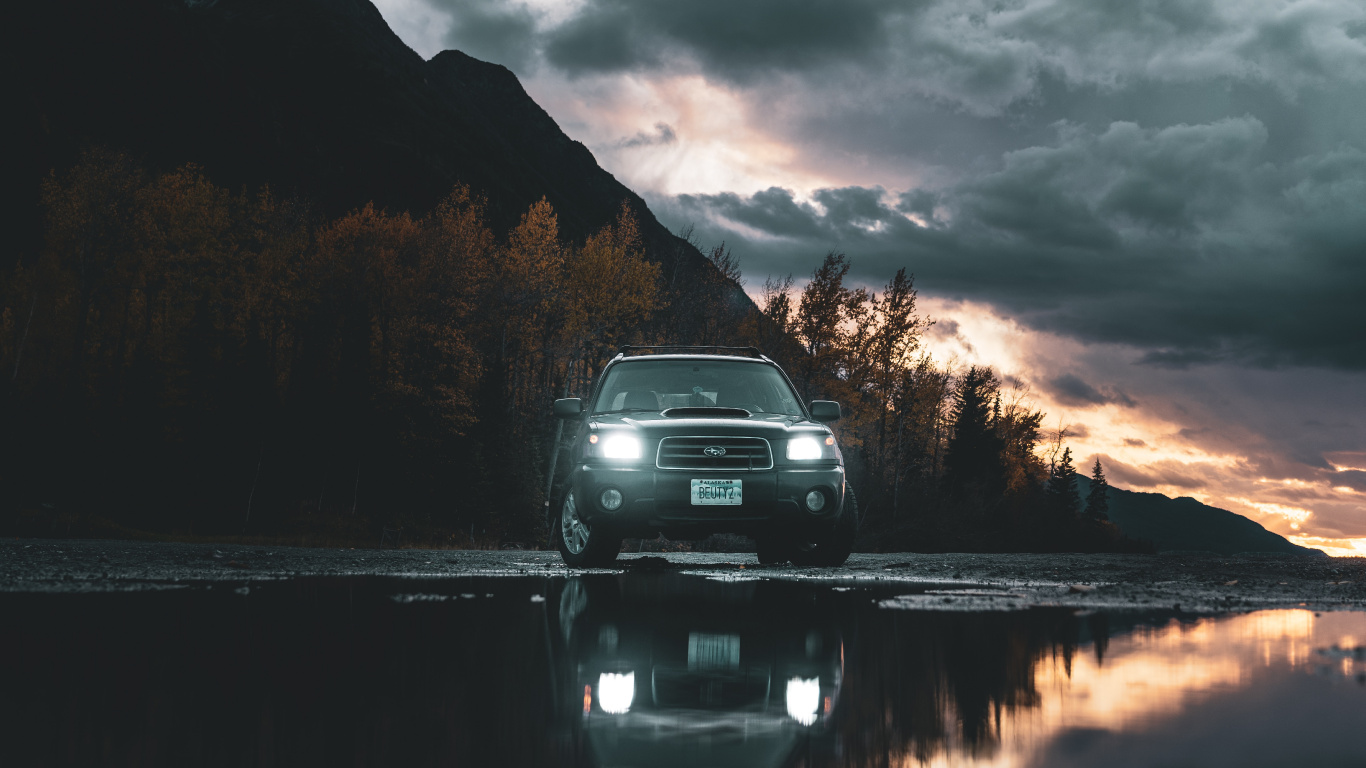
(315,97)
(1186,524)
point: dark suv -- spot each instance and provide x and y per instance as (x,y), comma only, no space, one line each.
(688,444)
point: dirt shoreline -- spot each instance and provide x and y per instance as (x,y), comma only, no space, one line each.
(1195,583)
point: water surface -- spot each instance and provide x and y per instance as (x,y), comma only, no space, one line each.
(660,669)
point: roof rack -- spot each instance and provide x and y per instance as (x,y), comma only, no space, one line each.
(627,349)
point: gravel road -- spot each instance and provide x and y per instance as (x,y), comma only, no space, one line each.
(1189,583)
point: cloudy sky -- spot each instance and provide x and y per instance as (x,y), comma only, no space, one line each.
(1150,212)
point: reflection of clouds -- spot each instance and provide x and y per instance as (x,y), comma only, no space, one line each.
(1157,674)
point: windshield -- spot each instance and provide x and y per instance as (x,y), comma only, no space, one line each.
(656,385)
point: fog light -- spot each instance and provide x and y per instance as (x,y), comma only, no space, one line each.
(815,501)
(611,499)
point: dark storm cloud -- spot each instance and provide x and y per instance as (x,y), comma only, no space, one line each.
(1179,359)
(735,40)
(664,134)
(1070,389)
(1352,478)
(1185,178)
(773,211)
(1187,242)
(493,31)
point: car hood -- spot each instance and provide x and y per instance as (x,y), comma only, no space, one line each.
(771,426)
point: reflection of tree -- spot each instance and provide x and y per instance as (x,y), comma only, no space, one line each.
(316,673)
(918,684)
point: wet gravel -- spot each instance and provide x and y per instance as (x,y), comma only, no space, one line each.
(1195,583)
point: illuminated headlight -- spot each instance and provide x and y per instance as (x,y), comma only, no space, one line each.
(803,449)
(616,692)
(803,698)
(621,447)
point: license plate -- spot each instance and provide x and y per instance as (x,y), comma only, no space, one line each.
(707,653)
(716,492)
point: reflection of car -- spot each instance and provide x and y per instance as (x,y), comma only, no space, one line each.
(688,445)
(667,669)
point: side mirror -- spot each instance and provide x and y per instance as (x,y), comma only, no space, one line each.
(568,408)
(825,410)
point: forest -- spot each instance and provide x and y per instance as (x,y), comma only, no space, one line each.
(182,360)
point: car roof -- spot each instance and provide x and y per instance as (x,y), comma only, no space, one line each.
(761,360)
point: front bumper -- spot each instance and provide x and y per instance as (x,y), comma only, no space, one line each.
(660,500)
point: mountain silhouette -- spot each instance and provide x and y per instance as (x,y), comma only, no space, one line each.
(317,98)
(1185,524)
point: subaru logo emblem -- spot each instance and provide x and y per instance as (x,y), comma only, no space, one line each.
(714,451)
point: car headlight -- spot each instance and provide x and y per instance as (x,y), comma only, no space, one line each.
(803,449)
(617,691)
(620,447)
(803,699)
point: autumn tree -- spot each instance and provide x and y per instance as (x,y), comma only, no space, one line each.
(448,291)
(274,240)
(526,277)
(1018,427)
(920,424)
(719,297)
(770,327)
(894,338)
(818,323)
(89,214)
(608,291)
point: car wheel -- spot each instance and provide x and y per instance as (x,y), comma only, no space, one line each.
(834,549)
(579,544)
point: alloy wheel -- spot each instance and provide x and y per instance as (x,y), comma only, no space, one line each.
(573,530)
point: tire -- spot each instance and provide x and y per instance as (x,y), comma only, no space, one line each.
(838,544)
(584,549)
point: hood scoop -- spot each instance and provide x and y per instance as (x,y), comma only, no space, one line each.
(705,412)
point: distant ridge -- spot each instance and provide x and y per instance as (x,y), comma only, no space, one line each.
(1185,524)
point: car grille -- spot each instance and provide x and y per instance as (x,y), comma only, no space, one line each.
(676,687)
(741,453)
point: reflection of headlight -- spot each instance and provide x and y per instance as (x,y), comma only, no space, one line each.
(621,447)
(803,448)
(803,698)
(615,692)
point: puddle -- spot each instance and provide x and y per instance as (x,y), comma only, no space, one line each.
(663,669)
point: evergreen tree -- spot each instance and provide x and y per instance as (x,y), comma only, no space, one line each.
(973,457)
(1062,486)
(1097,504)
